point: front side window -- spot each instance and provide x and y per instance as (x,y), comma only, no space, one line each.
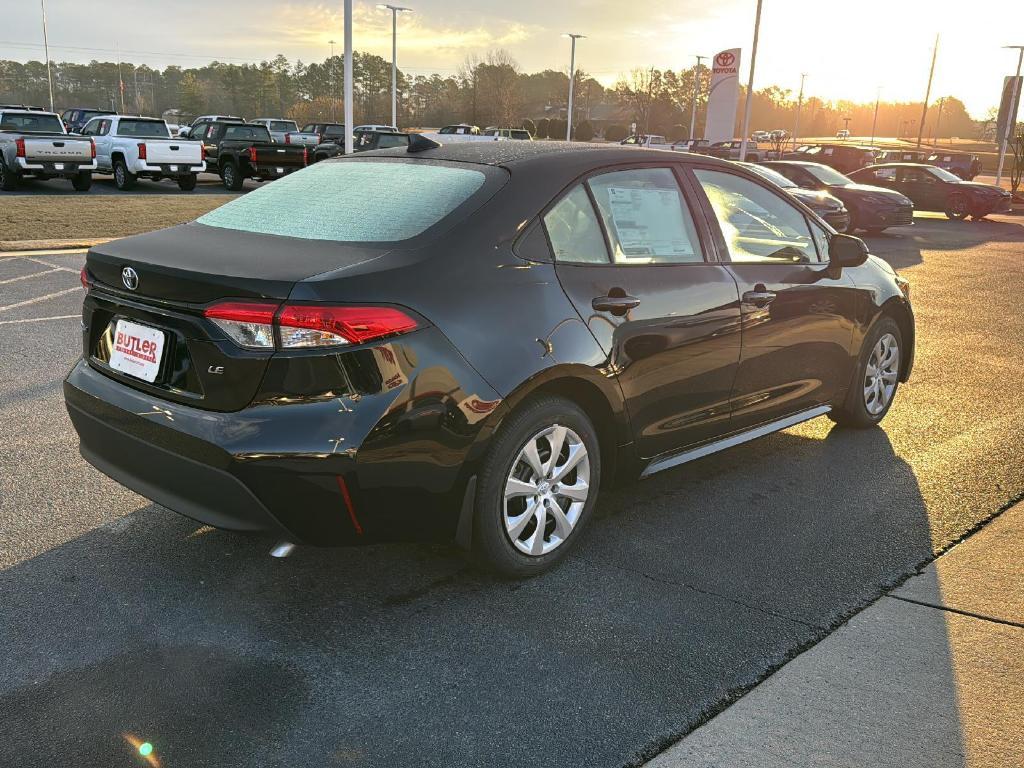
(376,201)
(646,217)
(758,225)
(918,176)
(574,231)
(91,128)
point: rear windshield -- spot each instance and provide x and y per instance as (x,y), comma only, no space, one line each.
(247,133)
(28,122)
(147,129)
(368,201)
(283,126)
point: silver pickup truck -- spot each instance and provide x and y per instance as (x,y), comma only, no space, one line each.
(35,144)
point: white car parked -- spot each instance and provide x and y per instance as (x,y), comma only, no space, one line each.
(377,128)
(130,147)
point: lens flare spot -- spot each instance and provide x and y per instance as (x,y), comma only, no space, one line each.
(145,749)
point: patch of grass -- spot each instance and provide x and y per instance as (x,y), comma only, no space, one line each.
(59,217)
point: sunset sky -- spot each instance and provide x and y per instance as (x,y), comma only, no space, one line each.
(848,49)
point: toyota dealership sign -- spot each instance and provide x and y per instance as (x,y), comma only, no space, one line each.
(723,96)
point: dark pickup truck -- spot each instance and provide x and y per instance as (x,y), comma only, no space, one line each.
(35,144)
(362,141)
(240,151)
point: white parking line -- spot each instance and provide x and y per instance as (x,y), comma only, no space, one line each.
(34,274)
(48,264)
(40,298)
(39,319)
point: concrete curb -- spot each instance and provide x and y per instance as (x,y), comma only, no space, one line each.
(50,245)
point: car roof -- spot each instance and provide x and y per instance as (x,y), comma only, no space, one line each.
(900,165)
(556,155)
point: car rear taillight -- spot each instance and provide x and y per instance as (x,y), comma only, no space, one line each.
(319,138)
(305,155)
(142,152)
(202,153)
(287,138)
(92,148)
(252,154)
(315,325)
(19,145)
(251,324)
(83,276)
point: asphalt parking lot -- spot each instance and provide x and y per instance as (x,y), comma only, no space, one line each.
(122,622)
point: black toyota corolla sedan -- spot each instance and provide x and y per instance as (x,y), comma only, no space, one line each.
(872,208)
(467,342)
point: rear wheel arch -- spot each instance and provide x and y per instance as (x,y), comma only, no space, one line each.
(595,401)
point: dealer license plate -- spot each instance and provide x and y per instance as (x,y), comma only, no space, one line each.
(137,350)
(280,170)
(58,166)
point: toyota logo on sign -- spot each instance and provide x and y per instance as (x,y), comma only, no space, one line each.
(130,278)
(725,59)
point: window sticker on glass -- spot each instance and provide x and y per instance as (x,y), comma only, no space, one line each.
(649,222)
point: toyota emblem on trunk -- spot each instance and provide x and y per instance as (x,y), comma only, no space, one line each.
(130,278)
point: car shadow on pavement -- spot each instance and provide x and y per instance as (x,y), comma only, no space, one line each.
(688,589)
(902,247)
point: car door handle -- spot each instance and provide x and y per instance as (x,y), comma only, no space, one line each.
(617,305)
(759,298)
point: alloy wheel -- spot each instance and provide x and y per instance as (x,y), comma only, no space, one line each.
(546,490)
(881,374)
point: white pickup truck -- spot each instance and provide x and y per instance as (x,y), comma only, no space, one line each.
(130,147)
(35,143)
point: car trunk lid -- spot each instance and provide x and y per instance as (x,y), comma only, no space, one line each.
(57,149)
(167,152)
(176,274)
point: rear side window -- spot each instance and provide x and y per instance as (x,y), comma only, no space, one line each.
(367,201)
(646,217)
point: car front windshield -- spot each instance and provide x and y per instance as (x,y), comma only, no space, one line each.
(827,175)
(379,201)
(773,176)
(945,175)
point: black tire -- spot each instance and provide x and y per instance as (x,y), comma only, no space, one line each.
(123,178)
(854,412)
(82,181)
(231,177)
(8,179)
(958,207)
(187,183)
(492,546)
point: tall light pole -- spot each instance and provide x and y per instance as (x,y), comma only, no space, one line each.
(874,120)
(696,95)
(46,48)
(395,10)
(572,83)
(799,105)
(928,92)
(349,117)
(750,85)
(333,84)
(1011,114)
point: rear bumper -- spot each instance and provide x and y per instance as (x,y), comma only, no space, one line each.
(50,168)
(284,466)
(168,169)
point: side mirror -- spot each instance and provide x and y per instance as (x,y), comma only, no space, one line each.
(185,133)
(847,251)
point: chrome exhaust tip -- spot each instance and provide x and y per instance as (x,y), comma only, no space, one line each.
(282,549)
